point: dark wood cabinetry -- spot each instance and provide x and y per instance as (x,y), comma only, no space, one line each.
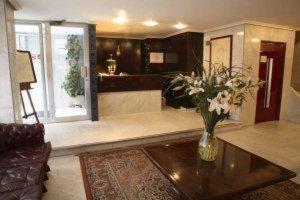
(179,52)
(179,55)
(130,83)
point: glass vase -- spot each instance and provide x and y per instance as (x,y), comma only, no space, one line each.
(208,147)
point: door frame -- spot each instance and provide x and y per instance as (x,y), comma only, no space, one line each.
(87,95)
(278,110)
(43,75)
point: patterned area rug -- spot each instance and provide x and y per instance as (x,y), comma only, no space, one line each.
(130,175)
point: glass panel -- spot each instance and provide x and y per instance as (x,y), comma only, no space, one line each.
(67,63)
(28,39)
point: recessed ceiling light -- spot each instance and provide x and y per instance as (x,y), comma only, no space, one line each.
(255,40)
(180,26)
(121,18)
(150,23)
(240,33)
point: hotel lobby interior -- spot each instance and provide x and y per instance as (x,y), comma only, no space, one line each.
(138,100)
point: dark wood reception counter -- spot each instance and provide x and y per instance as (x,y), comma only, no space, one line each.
(122,83)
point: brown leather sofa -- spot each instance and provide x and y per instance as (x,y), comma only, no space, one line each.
(23,161)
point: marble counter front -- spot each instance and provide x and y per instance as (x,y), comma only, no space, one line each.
(118,103)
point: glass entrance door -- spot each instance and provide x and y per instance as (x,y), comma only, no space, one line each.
(29,38)
(69,73)
(61,92)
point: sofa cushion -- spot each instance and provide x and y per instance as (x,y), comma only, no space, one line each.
(15,178)
(28,193)
(18,135)
(25,155)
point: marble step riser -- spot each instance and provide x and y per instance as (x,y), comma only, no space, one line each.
(138,141)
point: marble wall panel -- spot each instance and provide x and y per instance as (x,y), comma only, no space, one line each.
(155,103)
(237,33)
(246,50)
(253,35)
(296,64)
(118,103)
(6,100)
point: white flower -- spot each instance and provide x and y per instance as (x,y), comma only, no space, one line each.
(178,88)
(221,101)
(219,80)
(190,80)
(195,90)
(177,78)
(223,96)
(226,108)
(229,83)
(197,83)
(214,105)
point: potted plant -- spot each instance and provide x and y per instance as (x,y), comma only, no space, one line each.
(73,83)
(216,92)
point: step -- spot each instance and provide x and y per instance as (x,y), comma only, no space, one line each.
(102,146)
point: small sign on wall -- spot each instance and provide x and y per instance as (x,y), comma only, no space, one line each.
(156,57)
(263,59)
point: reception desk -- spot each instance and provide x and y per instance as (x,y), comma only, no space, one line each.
(129,94)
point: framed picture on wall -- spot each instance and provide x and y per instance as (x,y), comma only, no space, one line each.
(221,50)
(156,57)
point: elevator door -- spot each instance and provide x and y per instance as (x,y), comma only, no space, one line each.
(271,70)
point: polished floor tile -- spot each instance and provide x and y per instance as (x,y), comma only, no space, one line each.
(276,141)
(65,179)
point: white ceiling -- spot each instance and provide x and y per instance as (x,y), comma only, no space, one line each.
(198,14)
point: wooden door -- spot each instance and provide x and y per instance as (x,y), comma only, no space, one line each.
(271,70)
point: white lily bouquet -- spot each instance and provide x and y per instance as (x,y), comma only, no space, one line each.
(216,93)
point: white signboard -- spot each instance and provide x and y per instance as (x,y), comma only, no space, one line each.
(156,57)
(25,67)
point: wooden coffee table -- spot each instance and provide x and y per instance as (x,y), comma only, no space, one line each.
(234,172)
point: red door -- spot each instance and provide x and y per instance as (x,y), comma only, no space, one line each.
(271,71)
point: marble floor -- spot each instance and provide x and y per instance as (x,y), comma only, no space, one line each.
(122,127)
(275,141)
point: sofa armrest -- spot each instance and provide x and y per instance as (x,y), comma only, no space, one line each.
(18,135)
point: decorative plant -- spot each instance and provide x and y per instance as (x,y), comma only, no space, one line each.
(73,83)
(216,92)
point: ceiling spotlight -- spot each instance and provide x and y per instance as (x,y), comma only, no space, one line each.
(121,18)
(150,23)
(180,26)
(255,40)
(240,33)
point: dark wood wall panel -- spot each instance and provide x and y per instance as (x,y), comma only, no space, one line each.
(134,57)
(128,61)
(184,47)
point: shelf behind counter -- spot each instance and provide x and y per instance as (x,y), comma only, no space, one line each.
(140,82)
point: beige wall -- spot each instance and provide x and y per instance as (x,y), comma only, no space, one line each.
(246,52)
(296,64)
(9,87)
(237,47)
